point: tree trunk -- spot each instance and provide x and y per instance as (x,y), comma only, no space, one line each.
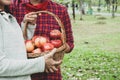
(116,5)
(108,7)
(99,5)
(81,9)
(108,4)
(113,8)
(73,9)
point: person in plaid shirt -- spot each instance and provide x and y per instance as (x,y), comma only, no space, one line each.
(45,23)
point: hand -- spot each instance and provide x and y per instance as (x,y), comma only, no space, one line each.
(30,17)
(65,48)
(50,64)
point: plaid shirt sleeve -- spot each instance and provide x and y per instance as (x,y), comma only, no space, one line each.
(68,29)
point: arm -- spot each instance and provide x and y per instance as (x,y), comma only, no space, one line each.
(29,19)
(11,67)
(68,30)
(14,67)
(30,29)
(20,67)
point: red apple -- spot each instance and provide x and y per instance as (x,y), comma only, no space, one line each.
(48,46)
(57,43)
(29,45)
(37,50)
(43,40)
(34,37)
(40,40)
(37,41)
(55,34)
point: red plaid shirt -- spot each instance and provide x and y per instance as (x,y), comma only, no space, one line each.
(45,23)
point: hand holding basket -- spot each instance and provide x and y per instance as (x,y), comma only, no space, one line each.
(60,52)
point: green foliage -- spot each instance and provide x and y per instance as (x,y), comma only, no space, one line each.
(96,55)
(63,1)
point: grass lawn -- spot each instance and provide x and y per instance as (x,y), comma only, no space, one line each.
(96,55)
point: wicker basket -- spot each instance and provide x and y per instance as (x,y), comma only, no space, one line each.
(59,53)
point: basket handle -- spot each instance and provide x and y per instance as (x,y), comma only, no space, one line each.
(63,37)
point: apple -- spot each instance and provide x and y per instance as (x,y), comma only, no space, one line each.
(34,37)
(43,40)
(55,34)
(57,43)
(37,50)
(47,47)
(36,40)
(29,45)
(40,40)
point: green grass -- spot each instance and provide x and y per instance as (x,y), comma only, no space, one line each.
(96,55)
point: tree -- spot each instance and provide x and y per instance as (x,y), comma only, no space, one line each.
(99,5)
(81,8)
(114,4)
(108,5)
(73,9)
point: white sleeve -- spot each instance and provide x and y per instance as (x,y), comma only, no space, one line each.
(30,29)
(14,67)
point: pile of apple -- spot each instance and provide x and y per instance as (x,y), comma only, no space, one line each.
(39,44)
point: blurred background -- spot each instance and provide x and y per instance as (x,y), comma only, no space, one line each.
(96,30)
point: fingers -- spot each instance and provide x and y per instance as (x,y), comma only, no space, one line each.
(46,70)
(54,69)
(30,17)
(67,48)
(39,14)
(50,55)
(51,69)
(56,63)
(52,52)
(50,63)
(62,48)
